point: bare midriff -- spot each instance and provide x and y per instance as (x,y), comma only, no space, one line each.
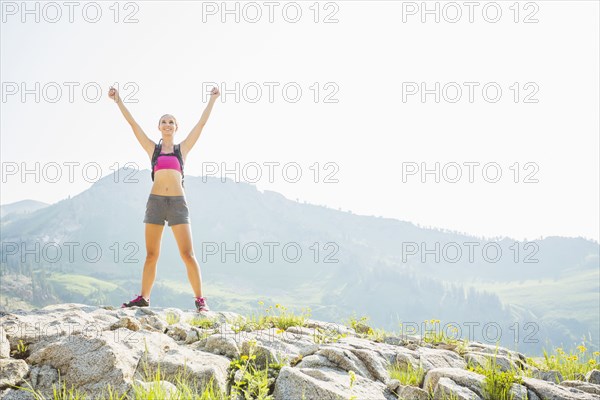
(167,182)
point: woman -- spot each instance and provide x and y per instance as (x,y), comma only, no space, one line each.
(167,199)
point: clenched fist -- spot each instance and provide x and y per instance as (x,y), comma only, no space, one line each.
(113,94)
(214,93)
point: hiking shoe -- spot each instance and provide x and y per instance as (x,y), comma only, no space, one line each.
(201,304)
(137,302)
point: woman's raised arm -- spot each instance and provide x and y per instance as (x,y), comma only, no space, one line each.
(192,137)
(144,140)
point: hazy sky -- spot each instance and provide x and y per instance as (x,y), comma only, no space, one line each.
(361,68)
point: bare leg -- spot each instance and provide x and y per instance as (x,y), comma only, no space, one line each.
(153,237)
(183,236)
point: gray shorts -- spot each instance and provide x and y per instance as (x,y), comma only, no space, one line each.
(174,209)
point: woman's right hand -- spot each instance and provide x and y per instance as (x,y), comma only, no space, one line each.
(113,94)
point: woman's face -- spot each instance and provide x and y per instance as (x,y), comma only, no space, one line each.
(167,125)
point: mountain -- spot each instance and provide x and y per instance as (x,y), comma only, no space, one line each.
(19,207)
(254,245)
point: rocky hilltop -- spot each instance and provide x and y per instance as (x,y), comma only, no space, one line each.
(96,349)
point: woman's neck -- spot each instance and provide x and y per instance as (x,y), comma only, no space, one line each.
(167,144)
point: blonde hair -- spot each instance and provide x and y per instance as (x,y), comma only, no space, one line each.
(168,115)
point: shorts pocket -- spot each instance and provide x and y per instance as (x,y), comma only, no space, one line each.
(154,210)
(182,209)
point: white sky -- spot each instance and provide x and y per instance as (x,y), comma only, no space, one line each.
(369,133)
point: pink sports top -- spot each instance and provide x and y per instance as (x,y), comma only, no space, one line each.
(167,161)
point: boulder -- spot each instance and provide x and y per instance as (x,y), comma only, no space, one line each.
(128,323)
(12,372)
(326,384)
(583,386)
(593,376)
(15,394)
(90,364)
(482,359)
(222,345)
(44,378)
(447,388)
(367,359)
(551,391)
(4,344)
(329,329)
(550,376)
(490,349)
(55,321)
(411,393)
(153,323)
(429,359)
(462,377)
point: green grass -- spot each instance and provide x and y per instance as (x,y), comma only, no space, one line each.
(451,396)
(203,323)
(171,318)
(363,330)
(574,296)
(434,334)
(21,351)
(571,364)
(59,392)
(359,325)
(80,284)
(272,317)
(352,376)
(407,375)
(256,383)
(497,384)
(323,336)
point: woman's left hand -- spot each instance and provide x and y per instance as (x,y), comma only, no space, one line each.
(214,93)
